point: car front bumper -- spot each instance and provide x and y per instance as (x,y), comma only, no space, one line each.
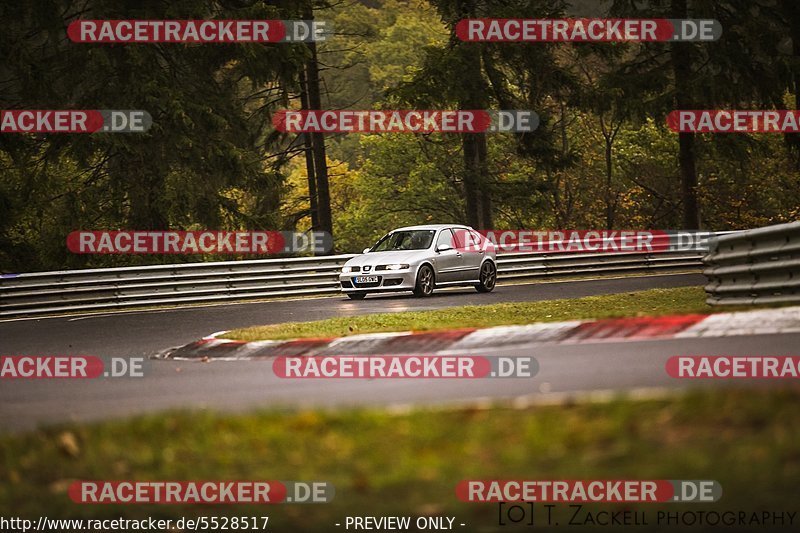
(388,280)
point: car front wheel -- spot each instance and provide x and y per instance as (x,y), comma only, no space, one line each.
(488,277)
(425,281)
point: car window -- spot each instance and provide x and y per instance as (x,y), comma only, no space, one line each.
(405,240)
(477,240)
(466,239)
(445,237)
(458,238)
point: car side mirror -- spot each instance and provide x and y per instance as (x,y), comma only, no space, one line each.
(443,248)
(366,251)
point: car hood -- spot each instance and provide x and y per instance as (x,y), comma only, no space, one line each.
(386,258)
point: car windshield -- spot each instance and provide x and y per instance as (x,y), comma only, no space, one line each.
(405,240)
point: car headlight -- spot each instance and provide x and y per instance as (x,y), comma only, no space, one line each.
(347,270)
(395,266)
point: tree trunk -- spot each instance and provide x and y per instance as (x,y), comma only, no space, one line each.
(147,204)
(609,192)
(318,141)
(484,191)
(309,156)
(477,190)
(469,144)
(791,11)
(682,71)
(146,196)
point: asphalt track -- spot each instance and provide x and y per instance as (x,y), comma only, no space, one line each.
(243,385)
(145,333)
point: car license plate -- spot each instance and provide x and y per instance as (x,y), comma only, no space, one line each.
(366,279)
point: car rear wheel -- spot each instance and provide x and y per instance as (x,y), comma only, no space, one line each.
(356,295)
(488,277)
(425,281)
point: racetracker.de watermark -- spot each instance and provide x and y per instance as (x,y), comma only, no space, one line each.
(404,367)
(589,490)
(584,241)
(198,242)
(405,121)
(201,492)
(733,367)
(198,31)
(587,30)
(734,121)
(74,121)
(70,367)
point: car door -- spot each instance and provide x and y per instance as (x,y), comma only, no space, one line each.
(474,252)
(449,263)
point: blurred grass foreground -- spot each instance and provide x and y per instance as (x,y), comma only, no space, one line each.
(408,463)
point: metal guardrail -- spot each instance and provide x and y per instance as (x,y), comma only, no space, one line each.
(755,266)
(114,288)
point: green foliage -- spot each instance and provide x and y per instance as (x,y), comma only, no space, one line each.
(210,107)
(212,159)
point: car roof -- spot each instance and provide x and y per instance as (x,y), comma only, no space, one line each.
(432,227)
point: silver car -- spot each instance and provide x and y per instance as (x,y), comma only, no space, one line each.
(420,259)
